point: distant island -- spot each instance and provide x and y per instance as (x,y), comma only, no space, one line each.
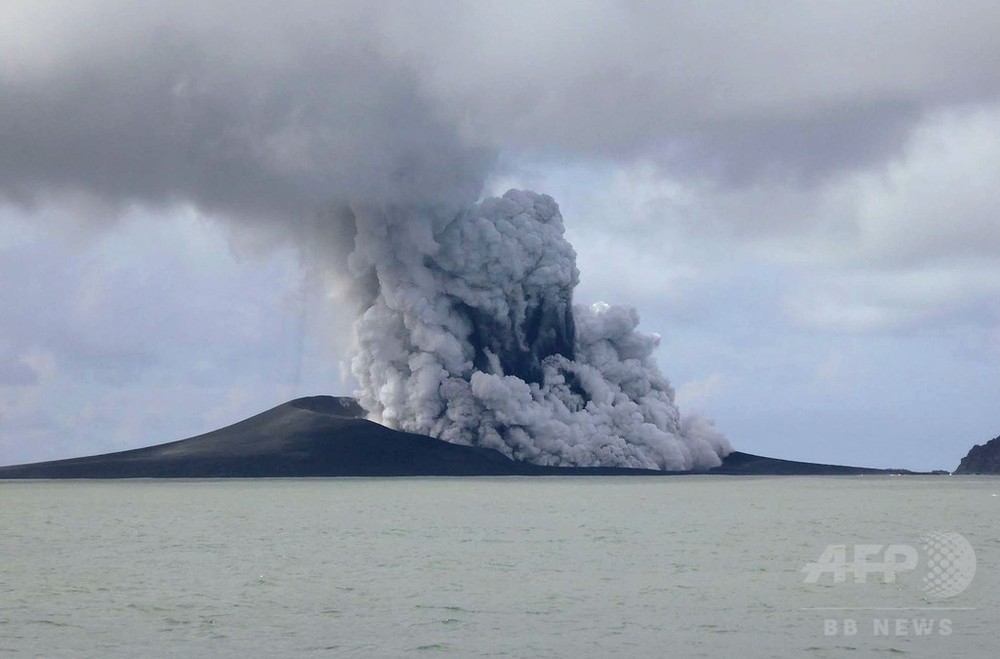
(326,436)
(982,459)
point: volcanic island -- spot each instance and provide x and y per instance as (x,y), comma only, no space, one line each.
(328,436)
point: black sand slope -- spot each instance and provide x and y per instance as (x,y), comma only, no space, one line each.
(326,436)
(319,436)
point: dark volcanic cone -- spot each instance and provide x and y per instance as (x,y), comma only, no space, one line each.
(316,436)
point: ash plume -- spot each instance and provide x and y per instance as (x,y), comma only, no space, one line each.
(319,131)
(473,338)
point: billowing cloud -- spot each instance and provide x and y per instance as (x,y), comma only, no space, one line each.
(252,112)
(737,90)
(257,109)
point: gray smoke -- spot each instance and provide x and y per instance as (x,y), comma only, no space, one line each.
(473,338)
(308,121)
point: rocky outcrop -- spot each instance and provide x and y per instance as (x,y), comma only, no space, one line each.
(982,459)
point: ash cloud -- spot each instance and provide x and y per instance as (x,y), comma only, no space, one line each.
(242,111)
(473,338)
(260,110)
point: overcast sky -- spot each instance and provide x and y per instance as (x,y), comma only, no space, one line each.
(801,198)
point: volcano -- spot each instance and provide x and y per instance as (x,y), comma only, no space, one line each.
(327,436)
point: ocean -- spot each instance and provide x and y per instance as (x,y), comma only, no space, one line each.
(685,566)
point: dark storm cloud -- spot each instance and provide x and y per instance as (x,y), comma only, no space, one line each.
(249,113)
(253,109)
(740,89)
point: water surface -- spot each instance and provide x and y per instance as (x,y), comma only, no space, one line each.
(489,567)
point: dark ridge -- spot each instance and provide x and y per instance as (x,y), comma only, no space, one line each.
(737,463)
(326,436)
(982,459)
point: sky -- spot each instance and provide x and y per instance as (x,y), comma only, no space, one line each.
(800,198)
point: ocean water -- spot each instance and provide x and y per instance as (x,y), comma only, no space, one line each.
(493,567)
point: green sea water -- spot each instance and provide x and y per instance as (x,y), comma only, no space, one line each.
(490,567)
